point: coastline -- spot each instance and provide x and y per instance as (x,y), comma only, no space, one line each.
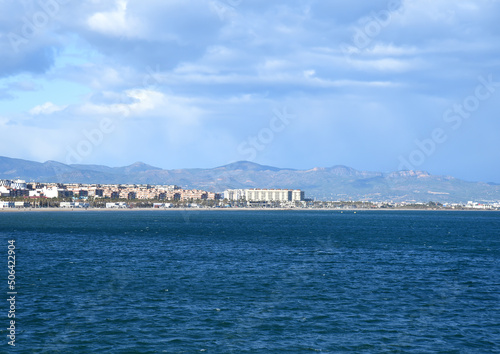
(38,210)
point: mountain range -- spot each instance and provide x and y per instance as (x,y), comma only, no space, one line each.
(331,183)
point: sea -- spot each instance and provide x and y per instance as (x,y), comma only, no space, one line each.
(243,281)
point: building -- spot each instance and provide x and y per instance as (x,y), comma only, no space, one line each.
(4,191)
(5,182)
(162,205)
(118,205)
(82,193)
(265,195)
(235,194)
(17,193)
(193,194)
(269,195)
(213,196)
(132,195)
(73,205)
(18,184)
(298,195)
(64,193)
(50,192)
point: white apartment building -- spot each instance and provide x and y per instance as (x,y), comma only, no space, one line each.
(264,195)
(298,195)
(4,192)
(51,192)
(235,194)
(269,195)
(5,182)
(18,184)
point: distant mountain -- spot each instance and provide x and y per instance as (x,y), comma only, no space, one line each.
(330,183)
(247,166)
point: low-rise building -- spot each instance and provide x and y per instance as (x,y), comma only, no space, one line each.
(117,205)
(4,191)
(73,205)
(6,205)
(162,205)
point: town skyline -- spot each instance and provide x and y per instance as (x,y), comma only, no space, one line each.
(326,183)
(19,195)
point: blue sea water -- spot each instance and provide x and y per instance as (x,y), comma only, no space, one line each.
(254,282)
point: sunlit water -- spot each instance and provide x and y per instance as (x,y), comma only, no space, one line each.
(254,281)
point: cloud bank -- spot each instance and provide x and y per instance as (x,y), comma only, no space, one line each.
(186,83)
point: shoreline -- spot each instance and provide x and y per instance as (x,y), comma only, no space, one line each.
(37,210)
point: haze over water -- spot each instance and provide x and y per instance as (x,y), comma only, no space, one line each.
(256,282)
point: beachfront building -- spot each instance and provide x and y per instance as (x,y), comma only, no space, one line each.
(298,195)
(117,205)
(161,205)
(274,195)
(235,194)
(264,195)
(269,195)
(73,205)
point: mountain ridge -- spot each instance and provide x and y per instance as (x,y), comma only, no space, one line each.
(337,182)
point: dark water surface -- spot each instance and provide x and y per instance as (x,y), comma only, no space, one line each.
(254,282)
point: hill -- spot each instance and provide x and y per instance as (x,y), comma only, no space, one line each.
(330,183)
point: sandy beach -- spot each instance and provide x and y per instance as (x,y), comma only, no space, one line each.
(192,210)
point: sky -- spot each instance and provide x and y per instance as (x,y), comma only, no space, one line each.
(378,85)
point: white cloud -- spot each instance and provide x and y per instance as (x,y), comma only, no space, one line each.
(144,103)
(115,23)
(46,108)
(309,73)
(382,49)
(387,65)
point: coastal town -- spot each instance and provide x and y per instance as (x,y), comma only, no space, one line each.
(19,194)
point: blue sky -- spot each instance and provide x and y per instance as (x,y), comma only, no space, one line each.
(374,85)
